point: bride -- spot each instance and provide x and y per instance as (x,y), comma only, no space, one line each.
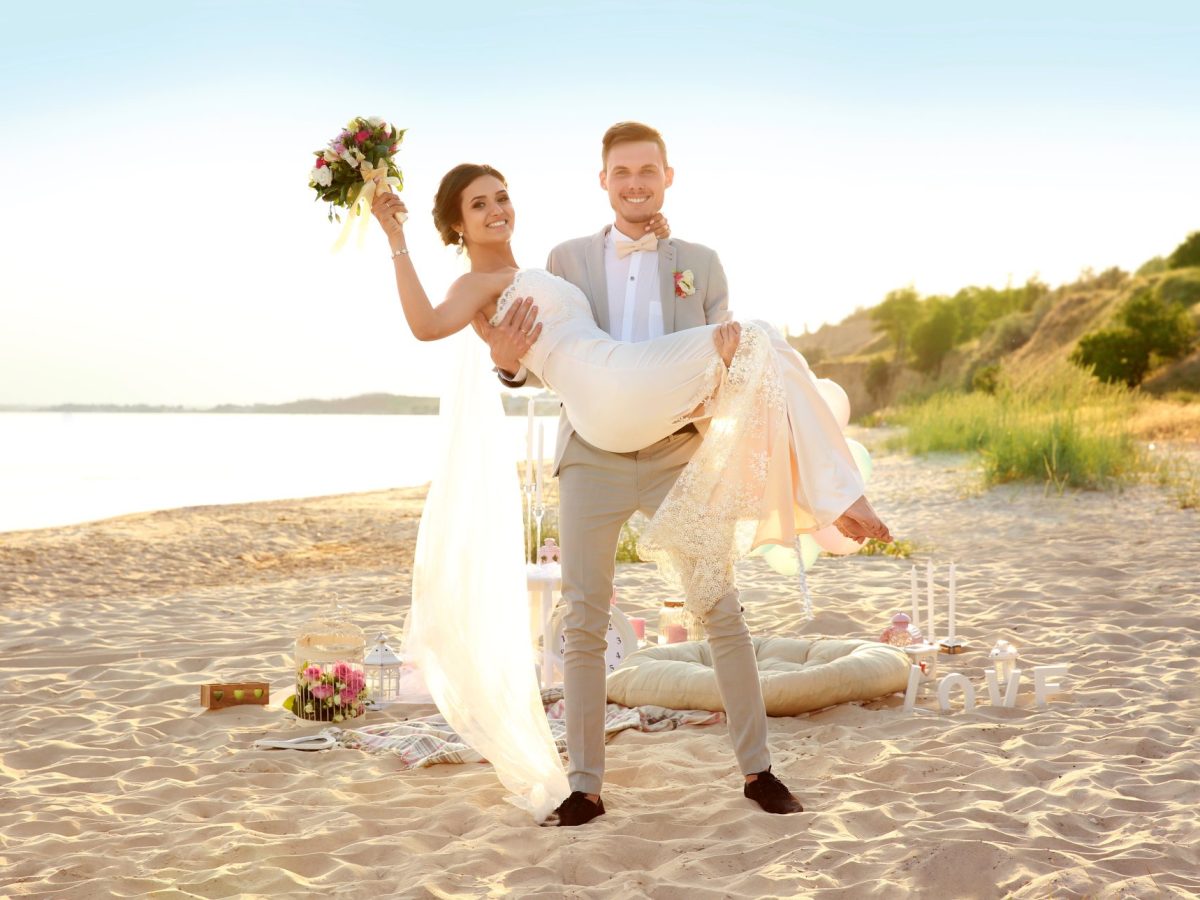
(772,465)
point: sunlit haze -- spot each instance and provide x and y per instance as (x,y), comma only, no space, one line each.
(160,244)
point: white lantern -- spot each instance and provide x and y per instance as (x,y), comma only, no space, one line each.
(383,673)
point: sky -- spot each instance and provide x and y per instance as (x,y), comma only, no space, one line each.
(159,243)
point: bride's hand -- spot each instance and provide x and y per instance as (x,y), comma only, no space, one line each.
(659,226)
(384,207)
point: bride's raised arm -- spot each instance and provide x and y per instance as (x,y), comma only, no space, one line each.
(469,295)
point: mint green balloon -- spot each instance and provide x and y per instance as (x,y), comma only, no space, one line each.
(862,459)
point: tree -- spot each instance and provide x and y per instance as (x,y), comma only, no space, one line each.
(1151,327)
(1166,329)
(934,336)
(1187,253)
(1116,354)
(895,317)
(879,376)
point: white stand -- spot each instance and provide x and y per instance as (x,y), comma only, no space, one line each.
(543,582)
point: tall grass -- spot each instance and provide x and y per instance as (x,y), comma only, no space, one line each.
(1063,428)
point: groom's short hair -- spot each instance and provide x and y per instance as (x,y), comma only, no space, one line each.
(628,133)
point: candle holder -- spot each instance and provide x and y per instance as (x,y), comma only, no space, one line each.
(527,504)
(539,511)
(952,645)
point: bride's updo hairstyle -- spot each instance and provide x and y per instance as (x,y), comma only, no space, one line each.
(447,205)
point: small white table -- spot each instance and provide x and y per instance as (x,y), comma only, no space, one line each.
(543,582)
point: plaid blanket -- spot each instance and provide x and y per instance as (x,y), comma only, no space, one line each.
(430,741)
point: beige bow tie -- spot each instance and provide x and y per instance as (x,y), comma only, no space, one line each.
(647,242)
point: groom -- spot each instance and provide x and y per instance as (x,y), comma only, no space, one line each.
(639,288)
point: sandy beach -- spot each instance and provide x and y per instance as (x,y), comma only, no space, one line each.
(114,782)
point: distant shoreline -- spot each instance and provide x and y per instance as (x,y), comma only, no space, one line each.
(361,405)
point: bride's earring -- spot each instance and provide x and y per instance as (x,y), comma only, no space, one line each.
(462,244)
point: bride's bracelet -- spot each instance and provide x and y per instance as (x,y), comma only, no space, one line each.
(402,250)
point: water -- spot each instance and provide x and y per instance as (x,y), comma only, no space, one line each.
(64,468)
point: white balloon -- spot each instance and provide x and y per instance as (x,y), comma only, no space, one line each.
(836,399)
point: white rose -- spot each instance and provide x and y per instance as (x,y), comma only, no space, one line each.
(375,121)
(687,283)
(348,156)
(330,156)
(322,176)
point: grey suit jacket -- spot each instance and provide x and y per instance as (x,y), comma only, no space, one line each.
(581,262)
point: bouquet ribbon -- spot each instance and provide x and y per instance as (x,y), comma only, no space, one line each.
(375,179)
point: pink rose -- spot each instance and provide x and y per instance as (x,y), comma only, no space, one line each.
(313,673)
(321,162)
(348,695)
(356,680)
(322,691)
(341,671)
(362,136)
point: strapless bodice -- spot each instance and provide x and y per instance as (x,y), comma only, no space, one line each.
(562,310)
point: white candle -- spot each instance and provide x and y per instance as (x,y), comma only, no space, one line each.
(528,439)
(950,606)
(916,602)
(929,601)
(541,444)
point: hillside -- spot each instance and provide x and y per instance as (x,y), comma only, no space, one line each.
(1042,331)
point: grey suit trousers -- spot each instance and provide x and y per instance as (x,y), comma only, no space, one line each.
(598,492)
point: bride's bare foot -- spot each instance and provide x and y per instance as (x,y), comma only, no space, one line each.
(726,338)
(860,522)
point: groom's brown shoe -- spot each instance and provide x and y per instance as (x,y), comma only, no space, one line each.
(578,809)
(770,793)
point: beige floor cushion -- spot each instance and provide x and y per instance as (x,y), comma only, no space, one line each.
(797,674)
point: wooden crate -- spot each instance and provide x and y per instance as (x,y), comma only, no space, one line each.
(219,696)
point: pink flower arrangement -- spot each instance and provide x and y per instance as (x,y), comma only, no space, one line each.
(331,693)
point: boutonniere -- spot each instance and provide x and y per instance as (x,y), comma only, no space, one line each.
(685,283)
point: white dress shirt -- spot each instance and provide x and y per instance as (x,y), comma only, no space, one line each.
(634,302)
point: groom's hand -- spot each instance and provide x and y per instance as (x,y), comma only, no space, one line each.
(512,338)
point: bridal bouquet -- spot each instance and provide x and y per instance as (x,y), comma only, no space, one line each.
(345,172)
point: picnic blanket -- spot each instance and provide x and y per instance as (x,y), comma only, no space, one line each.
(430,741)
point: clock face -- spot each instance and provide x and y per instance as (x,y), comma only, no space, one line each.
(617,638)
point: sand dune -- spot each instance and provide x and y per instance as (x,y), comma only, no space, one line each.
(113,781)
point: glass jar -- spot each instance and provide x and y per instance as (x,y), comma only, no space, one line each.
(331,685)
(676,624)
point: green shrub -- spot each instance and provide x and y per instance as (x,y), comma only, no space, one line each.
(934,336)
(1181,288)
(985,378)
(1186,254)
(1125,354)
(878,378)
(1152,266)
(1113,355)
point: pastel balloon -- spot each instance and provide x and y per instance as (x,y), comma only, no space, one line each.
(836,399)
(862,458)
(833,541)
(781,559)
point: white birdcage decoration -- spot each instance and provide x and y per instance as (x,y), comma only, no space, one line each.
(383,668)
(331,685)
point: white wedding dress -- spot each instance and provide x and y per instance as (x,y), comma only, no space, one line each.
(773,464)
